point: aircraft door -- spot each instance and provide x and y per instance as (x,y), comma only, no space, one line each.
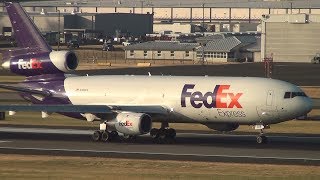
(270,98)
(268,112)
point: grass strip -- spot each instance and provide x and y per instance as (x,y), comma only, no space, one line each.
(57,167)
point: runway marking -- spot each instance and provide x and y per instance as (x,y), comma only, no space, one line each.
(46,131)
(89,132)
(4,141)
(249,135)
(167,154)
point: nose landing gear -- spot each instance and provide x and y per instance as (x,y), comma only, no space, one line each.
(261,138)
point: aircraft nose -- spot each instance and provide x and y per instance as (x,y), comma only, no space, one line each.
(308,105)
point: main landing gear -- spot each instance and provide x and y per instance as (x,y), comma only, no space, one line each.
(104,135)
(164,134)
(261,138)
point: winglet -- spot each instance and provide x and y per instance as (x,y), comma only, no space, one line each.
(26,33)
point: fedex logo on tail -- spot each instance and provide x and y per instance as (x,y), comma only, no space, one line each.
(32,64)
(220,97)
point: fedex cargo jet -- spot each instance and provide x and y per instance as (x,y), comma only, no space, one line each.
(127,105)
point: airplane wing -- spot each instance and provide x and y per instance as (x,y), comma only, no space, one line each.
(149,109)
(57,108)
(83,108)
(89,111)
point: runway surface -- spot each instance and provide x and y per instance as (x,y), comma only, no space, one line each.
(189,146)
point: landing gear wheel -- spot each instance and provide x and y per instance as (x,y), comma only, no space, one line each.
(261,139)
(105,136)
(128,138)
(161,139)
(163,135)
(154,132)
(170,136)
(171,133)
(113,134)
(96,136)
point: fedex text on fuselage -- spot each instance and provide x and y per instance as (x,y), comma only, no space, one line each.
(215,99)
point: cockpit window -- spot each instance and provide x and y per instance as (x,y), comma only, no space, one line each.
(288,95)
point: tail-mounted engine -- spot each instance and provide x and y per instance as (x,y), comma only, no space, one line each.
(42,63)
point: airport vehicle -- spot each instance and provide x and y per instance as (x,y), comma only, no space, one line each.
(316,59)
(127,43)
(127,105)
(107,47)
(73,44)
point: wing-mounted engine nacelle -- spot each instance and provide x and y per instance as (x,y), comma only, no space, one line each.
(133,123)
(223,127)
(42,63)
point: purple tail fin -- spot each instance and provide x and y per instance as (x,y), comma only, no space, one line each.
(34,56)
(26,33)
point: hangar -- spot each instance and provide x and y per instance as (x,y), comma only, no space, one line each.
(126,23)
(290,37)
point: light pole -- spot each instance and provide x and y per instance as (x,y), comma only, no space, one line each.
(202,55)
(203,16)
(58,49)
(141,6)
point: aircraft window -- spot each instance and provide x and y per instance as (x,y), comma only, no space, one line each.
(293,94)
(287,95)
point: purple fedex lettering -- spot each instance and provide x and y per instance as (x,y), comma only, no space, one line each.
(197,99)
(185,93)
(215,99)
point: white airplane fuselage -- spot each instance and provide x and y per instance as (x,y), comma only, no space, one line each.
(241,100)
